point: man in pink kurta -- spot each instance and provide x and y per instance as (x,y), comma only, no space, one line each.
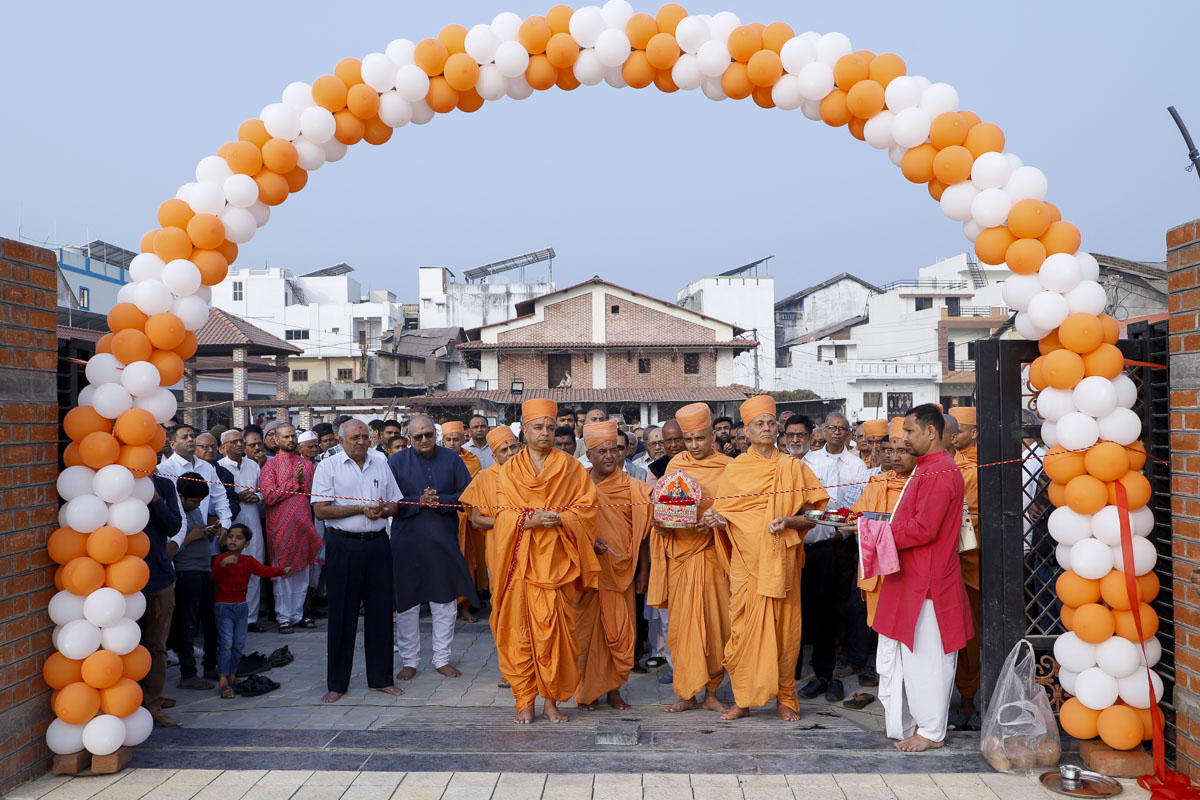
(923,618)
(292,540)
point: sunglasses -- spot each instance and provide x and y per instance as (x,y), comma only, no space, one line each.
(422,435)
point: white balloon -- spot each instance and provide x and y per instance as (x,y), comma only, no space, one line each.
(86,513)
(412,83)
(143,489)
(262,215)
(612,47)
(336,151)
(1062,553)
(896,154)
(125,293)
(394,110)
(65,739)
(239,224)
(140,378)
(585,27)
(129,516)
(690,33)
(78,639)
(1066,679)
(811,109)
(1026,183)
(113,483)
(145,267)
(1027,328)
(138,726)
(310,156)
(713,58)
(938,98)
(785,94)
(135,605)
(878,130)
(481,44)
(54,636)
(588,69)
(152,297)
(85,395)
(816,81)
(281,121)
(1096,689)
(317,124)
(1069,527)
(518,87)
(1088,297)
(991,171)
(205,292)
(1135,689)
(1047,310)
(1095,396)
(1153,653)
(65,607)
(796,54)
(212,169)
(240,190)
(1077,431)
(1014,161)
(511,59)
(722,24)
(1144,556)
(298,96)
(713,90)
(491,84)
(400,51)
(1089,265)
(990,207)
(903,92)
(75,481)
(104,607)
(911,127)
(615,78)
(1091,559)
(1073,653)
(182,277)
(207,198)
(1118,657)
(1049,433)
(378,72)
(1122,426)
(103,735)
(957,199)
(162,405)
(1106,525)
(103,368)
(616,13)
(1142,521)
(1018,290)
(1060,273)
(121,637)
(833,46)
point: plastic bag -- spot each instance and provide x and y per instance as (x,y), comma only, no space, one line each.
(1020,734)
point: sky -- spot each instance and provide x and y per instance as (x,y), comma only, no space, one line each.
(108,107)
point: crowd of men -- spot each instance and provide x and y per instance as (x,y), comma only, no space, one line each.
(550,529)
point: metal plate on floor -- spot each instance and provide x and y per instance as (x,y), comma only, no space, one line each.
(1075,781)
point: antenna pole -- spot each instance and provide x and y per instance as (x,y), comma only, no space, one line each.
(1193,154)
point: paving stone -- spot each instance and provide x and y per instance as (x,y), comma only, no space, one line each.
(958,779)
(668,793)
(858,781)
(467,793)
(565,779)
(123,791)
(716,793)
(665,779)
(438,779)
(912,779)
(193,777)
(374,778)
(919,792)
(283,777)
(714,780)
(767,792)
(762,780)
(320,792)
(811,781)
(521,779)
(473,779)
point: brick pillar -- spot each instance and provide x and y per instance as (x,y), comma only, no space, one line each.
(29,436)
(306,418)
(241,416)
(189,390)
(1183,282)
(282,373)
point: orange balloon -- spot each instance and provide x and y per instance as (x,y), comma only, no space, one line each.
(229,250)
(776,35)
(1081,332)
(1057,494)
(71,455)
(1105,360)
(138,544)
(765,69)
(1136,453)
(762,98)
(58,571)
(1086,495)
(212,265)
(273,187)
(82,576)
(953,164)
(636,70)
(206,231)
(1106,461)
(99,449)
(104,343)
(1025,256)
(462,73)
(745,41)
(244,158)
(1147,722)
(156,444)
(297,178)
(279,155)
(122,698)
(1076,591)
(541,74)
(984,138)
(936,188)
(135,664)
(170,366)
(60,671)
(441,98)
(329,92)
(189,346)
(76,703)
(736,82)
(991,245)
(664,81)
(253,131)
(139,459)
(107,545)
(834,111)
(165,330)
(454,36)
(1078,720)
(1137,489)
(82,421)
(1067,616)
(886,67)
(849,70)
(172,243)
(102,669)
(174,213)
(1029,218)
(376,132)
(559,18)
(128,575)
(567,80)
(1112,331)
(1063,369)
(1061,237)
(350,71)
(562,50)
(1093,623)
(146,243)
(669,17)
(363,102)
(430,55)
(1127,629)
(917,164)
(1063,466)
(1116,595)
(857,127)
(1049,343)
(948,129)
(66,544)
(127,315)
(865,98)
(662,51)
(640,29)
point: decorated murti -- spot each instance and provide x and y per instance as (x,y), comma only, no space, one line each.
(676,501)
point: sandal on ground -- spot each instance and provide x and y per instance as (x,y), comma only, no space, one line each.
(256,685)
(655,662)
(859,700)
(280,657)
(286,629)
(195,683)
(306,623)
(226,692)
(868,676)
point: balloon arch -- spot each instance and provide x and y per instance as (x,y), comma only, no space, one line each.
(116,432)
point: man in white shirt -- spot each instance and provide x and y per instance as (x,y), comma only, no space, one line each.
(245,475)
(830,569)
(182,439)
(477,442)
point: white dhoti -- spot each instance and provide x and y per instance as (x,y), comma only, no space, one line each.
(290,591)
(915,685)
(408,634)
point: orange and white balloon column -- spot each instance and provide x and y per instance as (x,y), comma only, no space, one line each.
(999,201)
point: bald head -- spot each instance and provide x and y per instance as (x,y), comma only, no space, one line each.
(672,436)
(206,448)
(949,431)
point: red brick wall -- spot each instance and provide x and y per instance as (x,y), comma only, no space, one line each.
(28,502)
(565,321)
(639,323)
(623,372)
(534,370)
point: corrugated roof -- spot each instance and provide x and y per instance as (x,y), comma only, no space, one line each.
(681,394)
(224,331)
(640,345)
(841,276)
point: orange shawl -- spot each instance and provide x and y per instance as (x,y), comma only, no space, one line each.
(967,461)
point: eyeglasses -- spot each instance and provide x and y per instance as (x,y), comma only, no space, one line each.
(837,429)
(418,436)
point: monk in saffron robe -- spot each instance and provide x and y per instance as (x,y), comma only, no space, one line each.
(604,617)
(545,530)
(881,495)
(470,542)
(967,677)
(686,574)
(761,500)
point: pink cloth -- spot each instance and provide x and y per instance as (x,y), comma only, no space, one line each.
(291,534)
(877,549)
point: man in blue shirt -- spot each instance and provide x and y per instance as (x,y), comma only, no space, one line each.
(165,519)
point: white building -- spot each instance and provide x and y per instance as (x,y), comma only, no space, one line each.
(91,275)
(449,303)
(829,303)
(748,302)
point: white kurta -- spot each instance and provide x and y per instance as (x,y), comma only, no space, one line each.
(915,685)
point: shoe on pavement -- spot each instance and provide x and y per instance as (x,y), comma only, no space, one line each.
(813,688)
(835,693)
(163,721)
(868,676)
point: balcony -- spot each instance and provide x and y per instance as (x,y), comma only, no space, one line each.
(977,311)
(929,287)
(856,370)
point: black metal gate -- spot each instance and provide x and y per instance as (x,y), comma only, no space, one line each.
(1019,568)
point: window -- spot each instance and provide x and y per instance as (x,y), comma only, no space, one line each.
(292,334)
(300,376)
(953,306)
(872,399)
(85,298)
(345,374)
(839,352)
(950,353)
(238,293)
(336,330)
(405,368)
(616,309)
(924,303)
(644,365)
(691,363)
(558,370)
(898,403)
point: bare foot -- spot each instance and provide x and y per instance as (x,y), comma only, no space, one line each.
(918,744)
(683,705)
(552,713)
(735,712)
(332,697)
(449,671)
(786,714)
(711,703)
(394,691)
(407,674)
(524,716)
(615,700)
(467,616)
(586,706)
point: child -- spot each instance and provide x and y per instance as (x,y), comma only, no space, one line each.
(231,573)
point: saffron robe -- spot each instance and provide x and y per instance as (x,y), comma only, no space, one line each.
(967,678)
(470,540)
